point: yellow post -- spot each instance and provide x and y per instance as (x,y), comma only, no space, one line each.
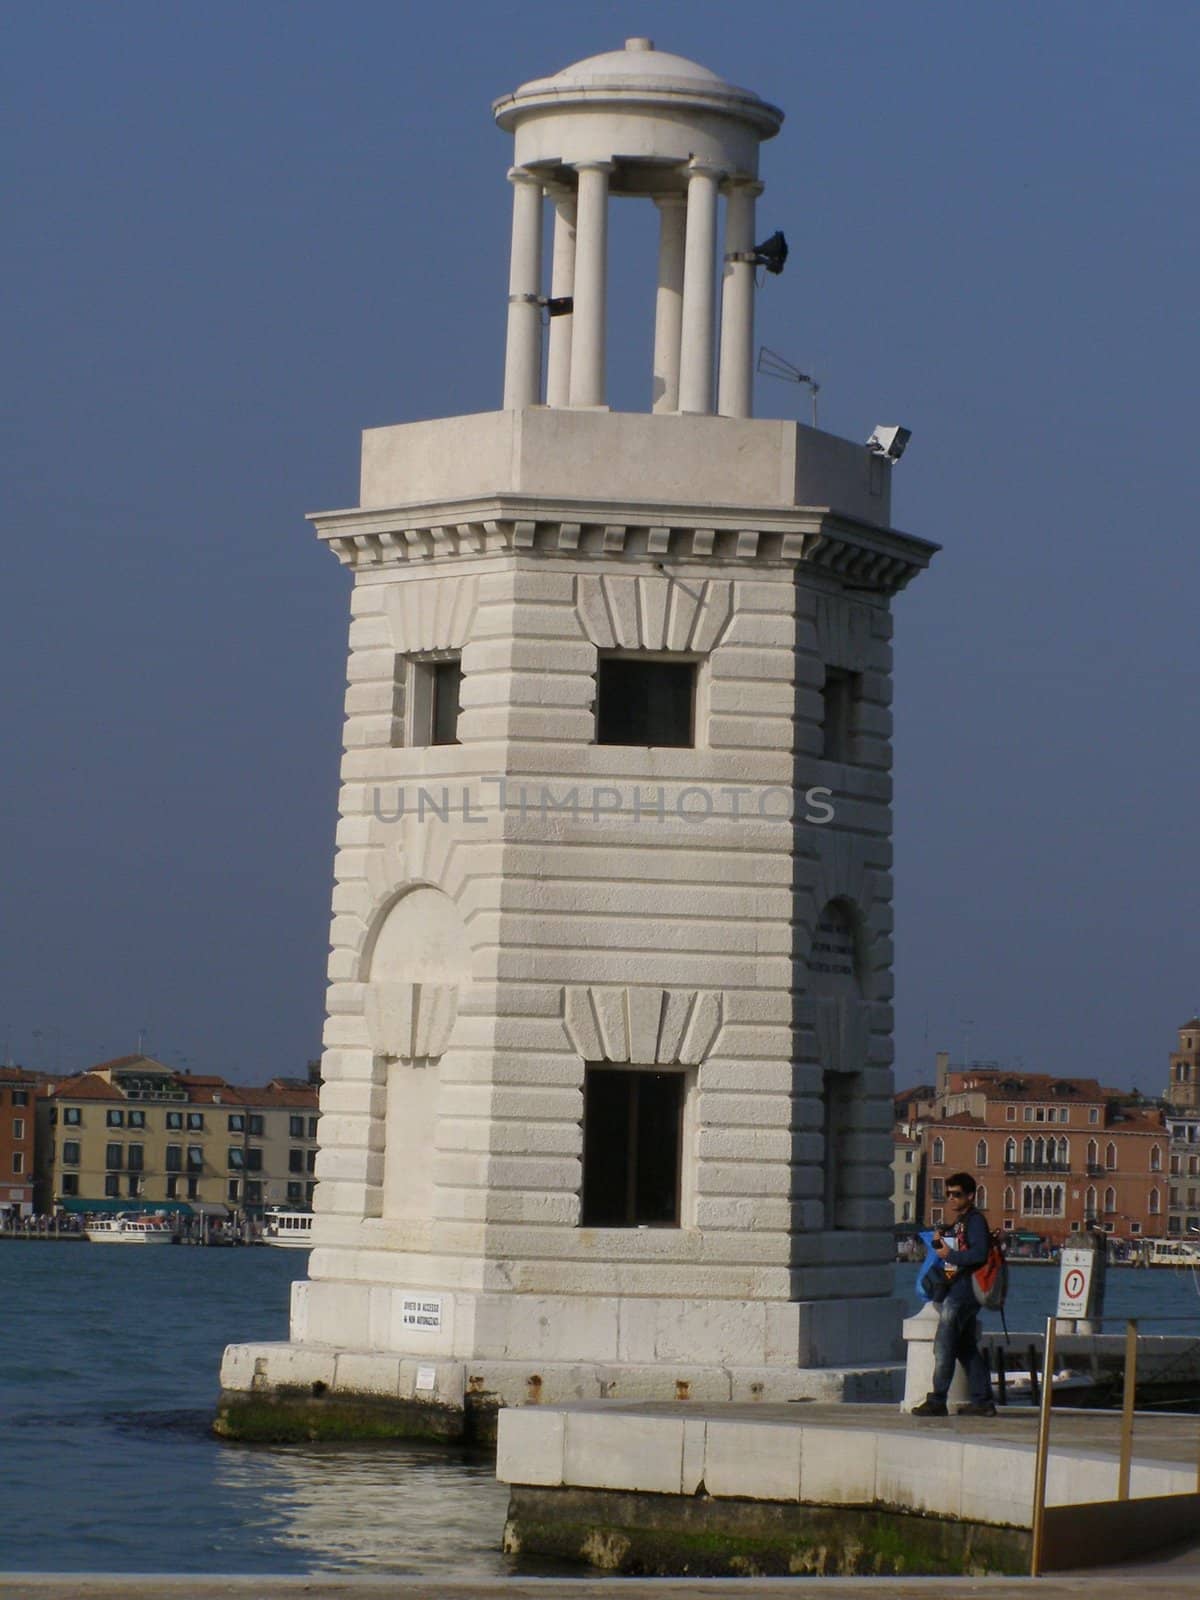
(1127,1410)
(1042,1458)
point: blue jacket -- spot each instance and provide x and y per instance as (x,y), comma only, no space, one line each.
(976,1244)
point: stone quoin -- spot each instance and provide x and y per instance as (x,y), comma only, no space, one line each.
(606,1103)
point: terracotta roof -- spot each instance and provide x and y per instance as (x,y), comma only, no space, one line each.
(1194,1023)
(87,1086)
(17,1075)
(275,1094)
(1000,1085)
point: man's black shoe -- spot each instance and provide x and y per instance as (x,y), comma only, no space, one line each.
(976,1408)
(929,1408)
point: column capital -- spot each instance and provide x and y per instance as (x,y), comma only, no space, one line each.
(523,175)
(741,183)
(598,165)
(705,169)
(666,202)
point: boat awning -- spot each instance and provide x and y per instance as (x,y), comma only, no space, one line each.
(104,1208)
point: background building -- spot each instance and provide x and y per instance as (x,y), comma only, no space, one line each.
(1183,1087)
(1051,1155)
(134,1133)
(18,1093)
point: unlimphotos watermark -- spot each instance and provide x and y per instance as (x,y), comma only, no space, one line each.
(604,803)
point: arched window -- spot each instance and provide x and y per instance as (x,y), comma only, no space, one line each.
(1010,1152)
(1089,1206)
(939,1152)
(1039,1151)
(1038,1201)
(1110,1157)
(1064,1153)
(1026,1198)
(1027,1150)
(981,1197)
(1110,1199)
(1009,1199)
(1154,1202)
(1156,1158)
(1060,1195)
(981,1153)
(1093,1153)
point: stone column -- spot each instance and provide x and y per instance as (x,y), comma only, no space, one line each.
(696,339)
(562,282)
(668,307)
(523,350)
(735,385)
(591,263)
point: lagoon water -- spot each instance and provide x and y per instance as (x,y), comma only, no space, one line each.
(108,1366)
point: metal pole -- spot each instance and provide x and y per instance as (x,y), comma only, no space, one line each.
(1041,1460)
(1127,1410)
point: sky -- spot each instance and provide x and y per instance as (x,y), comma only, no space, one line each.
(238,234)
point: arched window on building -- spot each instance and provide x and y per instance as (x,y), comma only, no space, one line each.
(1039,1151)
(939,1152)
(1110,1157)
(1059,1199)
(1027,1150)
(1010,1152)
(1010,1199)
(981,1153)
(1110,1199)
(981,1197)
(1064,1153)
(1156,1158)
(1155,1202)
(1089,1204)
(1026,1199)
(1093,1153)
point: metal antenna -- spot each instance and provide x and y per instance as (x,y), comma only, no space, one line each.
(773,365)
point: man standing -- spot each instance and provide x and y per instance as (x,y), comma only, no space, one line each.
(957,1337)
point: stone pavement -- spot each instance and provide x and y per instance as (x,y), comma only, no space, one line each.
(1175,1578)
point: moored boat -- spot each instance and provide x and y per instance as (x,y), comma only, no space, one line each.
(1171,1253)
(292,1230)
(129,1228)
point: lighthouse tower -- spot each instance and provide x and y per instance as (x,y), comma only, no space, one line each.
(607,1091)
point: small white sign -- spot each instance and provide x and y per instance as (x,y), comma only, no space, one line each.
(426,1379)
(421,1311)
(1074,1283)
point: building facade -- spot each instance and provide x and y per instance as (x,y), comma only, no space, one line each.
(1052,1156)
(135,1133)
(1183,1086)
(18,1094)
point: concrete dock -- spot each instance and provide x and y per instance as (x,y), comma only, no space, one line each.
(688,1487)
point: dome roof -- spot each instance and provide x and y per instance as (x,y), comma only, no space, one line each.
(637,63)
(640,73)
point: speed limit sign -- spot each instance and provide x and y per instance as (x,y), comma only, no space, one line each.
(1074,1283)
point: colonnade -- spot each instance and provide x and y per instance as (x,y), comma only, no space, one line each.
(685,307)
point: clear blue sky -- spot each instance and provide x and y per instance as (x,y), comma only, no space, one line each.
(239,233)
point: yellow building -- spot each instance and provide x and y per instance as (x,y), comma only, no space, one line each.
(134,1133)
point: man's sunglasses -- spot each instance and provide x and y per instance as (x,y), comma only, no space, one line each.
(956,1194)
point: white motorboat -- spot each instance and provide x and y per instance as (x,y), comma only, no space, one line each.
(128,1227)
(291,1230)
(1171,1252)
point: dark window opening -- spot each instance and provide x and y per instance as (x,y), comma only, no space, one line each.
(295,1160)
(114,1157)
(174,1158)
(836,1103)
(427,700)
(111,1186)
(650,703)
(172,1187)
(137,1158)
(839,699)
(632,1144)
(70,1183)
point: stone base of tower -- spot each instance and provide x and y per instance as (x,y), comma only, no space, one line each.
(357,1368)
(290,1392)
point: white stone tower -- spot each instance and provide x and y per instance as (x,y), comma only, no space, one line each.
(607,1089)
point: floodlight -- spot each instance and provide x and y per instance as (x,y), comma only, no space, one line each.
(889,442)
